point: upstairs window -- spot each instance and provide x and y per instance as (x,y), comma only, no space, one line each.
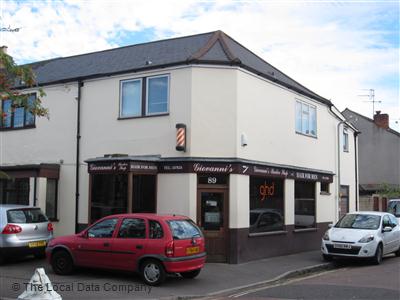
(306,119)
(345,140)
(143,97)
(17,117)
(131,98)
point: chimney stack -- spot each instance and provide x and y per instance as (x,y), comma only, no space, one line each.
(381,120)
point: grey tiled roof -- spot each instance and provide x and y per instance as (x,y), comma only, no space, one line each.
(207,48)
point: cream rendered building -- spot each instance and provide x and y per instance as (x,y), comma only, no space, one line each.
(268,164)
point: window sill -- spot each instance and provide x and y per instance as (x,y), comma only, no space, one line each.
(309,135)
(325,193)
(143,117)
(305,230)
(256,234)
(17,128)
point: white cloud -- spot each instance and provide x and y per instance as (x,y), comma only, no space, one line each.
(334,48)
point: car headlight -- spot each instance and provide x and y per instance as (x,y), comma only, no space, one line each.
(326,236)
(366,239)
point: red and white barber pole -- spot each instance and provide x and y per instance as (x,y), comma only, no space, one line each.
(180,137)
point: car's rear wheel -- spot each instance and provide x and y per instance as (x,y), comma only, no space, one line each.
(378,255)
(326,257)
(152,272)
(190,274)
(62,263)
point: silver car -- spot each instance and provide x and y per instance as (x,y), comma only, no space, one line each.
(24,230)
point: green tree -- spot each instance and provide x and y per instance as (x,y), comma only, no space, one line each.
(12,75)
(389,191)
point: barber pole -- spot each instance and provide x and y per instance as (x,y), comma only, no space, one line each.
(180,137)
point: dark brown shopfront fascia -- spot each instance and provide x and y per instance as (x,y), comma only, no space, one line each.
(119,186)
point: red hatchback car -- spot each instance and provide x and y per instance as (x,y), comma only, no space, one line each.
(150,244)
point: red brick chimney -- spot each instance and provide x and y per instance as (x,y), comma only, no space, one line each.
(381,120)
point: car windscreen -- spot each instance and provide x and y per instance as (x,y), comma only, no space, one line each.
(184,229)
(394,208)
(359,221)
(26,216)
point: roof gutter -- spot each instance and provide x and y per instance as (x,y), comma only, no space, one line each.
(78,139)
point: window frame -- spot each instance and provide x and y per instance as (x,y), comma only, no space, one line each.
(141,98)
(309,106)
(345,140)
(144,92)
(12,127)
(55,217)
(147,95)
(314,225)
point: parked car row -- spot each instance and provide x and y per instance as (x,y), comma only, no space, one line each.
(155,245)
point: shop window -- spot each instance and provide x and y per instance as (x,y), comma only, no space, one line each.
(144,96)
(14,191)
(132,229)
(17,117)
(103,229)
(306,119)
(325,188)
(109,195)
(155,231)
(51,198)
(266,205)
(304,205)
(144,193)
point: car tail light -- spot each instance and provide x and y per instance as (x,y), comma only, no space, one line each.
(169,249)
(11,229)
(49,227)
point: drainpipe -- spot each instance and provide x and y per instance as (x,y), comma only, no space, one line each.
(356,133)
(338,171)
(78,139)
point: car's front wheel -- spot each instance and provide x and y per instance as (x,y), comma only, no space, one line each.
(378,255)
(152,272)
(190,274)
(61,262)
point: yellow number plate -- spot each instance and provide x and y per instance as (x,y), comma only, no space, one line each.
(192,250)
(37,244)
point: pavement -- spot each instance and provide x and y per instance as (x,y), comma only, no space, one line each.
(215,279)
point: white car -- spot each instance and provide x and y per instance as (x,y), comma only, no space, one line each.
(362,235)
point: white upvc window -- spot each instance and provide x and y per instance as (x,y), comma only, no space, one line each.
(131,98)
(306,118)
(345,140)
(157,95)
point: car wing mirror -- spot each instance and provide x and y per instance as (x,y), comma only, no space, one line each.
(387,229)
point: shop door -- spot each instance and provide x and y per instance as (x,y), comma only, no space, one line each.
(212,217)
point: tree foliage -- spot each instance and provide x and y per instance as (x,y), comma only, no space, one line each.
(389,191)
(12,75)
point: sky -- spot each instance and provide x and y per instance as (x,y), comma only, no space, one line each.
(338,49)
